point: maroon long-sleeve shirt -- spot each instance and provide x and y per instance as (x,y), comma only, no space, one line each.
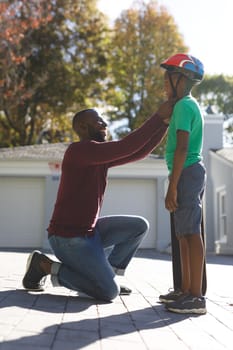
(84,176)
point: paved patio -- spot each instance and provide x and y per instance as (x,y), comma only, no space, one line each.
(57,319)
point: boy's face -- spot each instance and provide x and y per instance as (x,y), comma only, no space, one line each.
(179,84)
(167,86)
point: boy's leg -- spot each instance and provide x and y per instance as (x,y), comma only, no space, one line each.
(193,301)
(204,276)
(196,262)
(176,267)
(124,234)
(185,264)
(188,217)
(176,264)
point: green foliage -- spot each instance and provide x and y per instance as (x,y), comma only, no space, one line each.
(58,65)
(143,37)
(18,19)
(60,56)
(216,91)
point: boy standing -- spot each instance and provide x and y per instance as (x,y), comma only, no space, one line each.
(186,181)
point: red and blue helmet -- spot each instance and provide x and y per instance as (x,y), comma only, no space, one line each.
(185,64)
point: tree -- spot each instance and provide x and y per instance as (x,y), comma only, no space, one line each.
(215,95)
(61,68)
(17,20)
(143,37)
(88,53)
(216,91)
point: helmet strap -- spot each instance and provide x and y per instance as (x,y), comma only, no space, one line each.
(174,87)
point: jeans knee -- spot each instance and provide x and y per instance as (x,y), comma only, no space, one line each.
(109,293)
(143,225)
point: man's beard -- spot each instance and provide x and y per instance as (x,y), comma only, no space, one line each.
(95,135)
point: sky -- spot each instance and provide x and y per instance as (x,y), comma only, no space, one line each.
(206,26)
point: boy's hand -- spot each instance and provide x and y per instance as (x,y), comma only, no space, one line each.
(171,198)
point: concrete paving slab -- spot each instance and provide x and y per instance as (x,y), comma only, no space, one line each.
(59,319)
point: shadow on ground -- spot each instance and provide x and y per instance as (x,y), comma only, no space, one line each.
(78,334)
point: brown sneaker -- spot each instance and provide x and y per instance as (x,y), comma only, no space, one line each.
(34,278)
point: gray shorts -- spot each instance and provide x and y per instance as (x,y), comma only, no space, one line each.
(190,189)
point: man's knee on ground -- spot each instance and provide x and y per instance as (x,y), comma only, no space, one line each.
(143,225)
(109,293)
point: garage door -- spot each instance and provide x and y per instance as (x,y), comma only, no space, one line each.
(21,212)
(133,196)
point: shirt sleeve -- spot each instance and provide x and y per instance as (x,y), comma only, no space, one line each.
(137,144)
(183,117)
(144,151)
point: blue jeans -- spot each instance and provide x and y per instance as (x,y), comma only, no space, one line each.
(85,264)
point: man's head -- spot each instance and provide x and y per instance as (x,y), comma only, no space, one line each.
(88,125)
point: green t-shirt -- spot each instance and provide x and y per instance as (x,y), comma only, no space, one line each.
(186,116)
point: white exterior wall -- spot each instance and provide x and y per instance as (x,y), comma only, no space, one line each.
(139,189)
(135,188)
(213,139)
(21,211)
(30,190)
(222,185)
(22,203)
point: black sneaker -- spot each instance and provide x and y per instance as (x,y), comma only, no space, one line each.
(125,290)
(188,304)
(34,278)
(173,295)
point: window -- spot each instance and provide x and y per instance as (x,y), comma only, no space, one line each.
(221,215)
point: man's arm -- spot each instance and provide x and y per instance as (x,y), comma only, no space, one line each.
(144,151)
(149,132)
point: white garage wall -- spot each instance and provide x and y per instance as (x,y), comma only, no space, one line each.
(136,197)
(28,192)
(21,211)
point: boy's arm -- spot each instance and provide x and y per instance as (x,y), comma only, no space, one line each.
(178,163)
